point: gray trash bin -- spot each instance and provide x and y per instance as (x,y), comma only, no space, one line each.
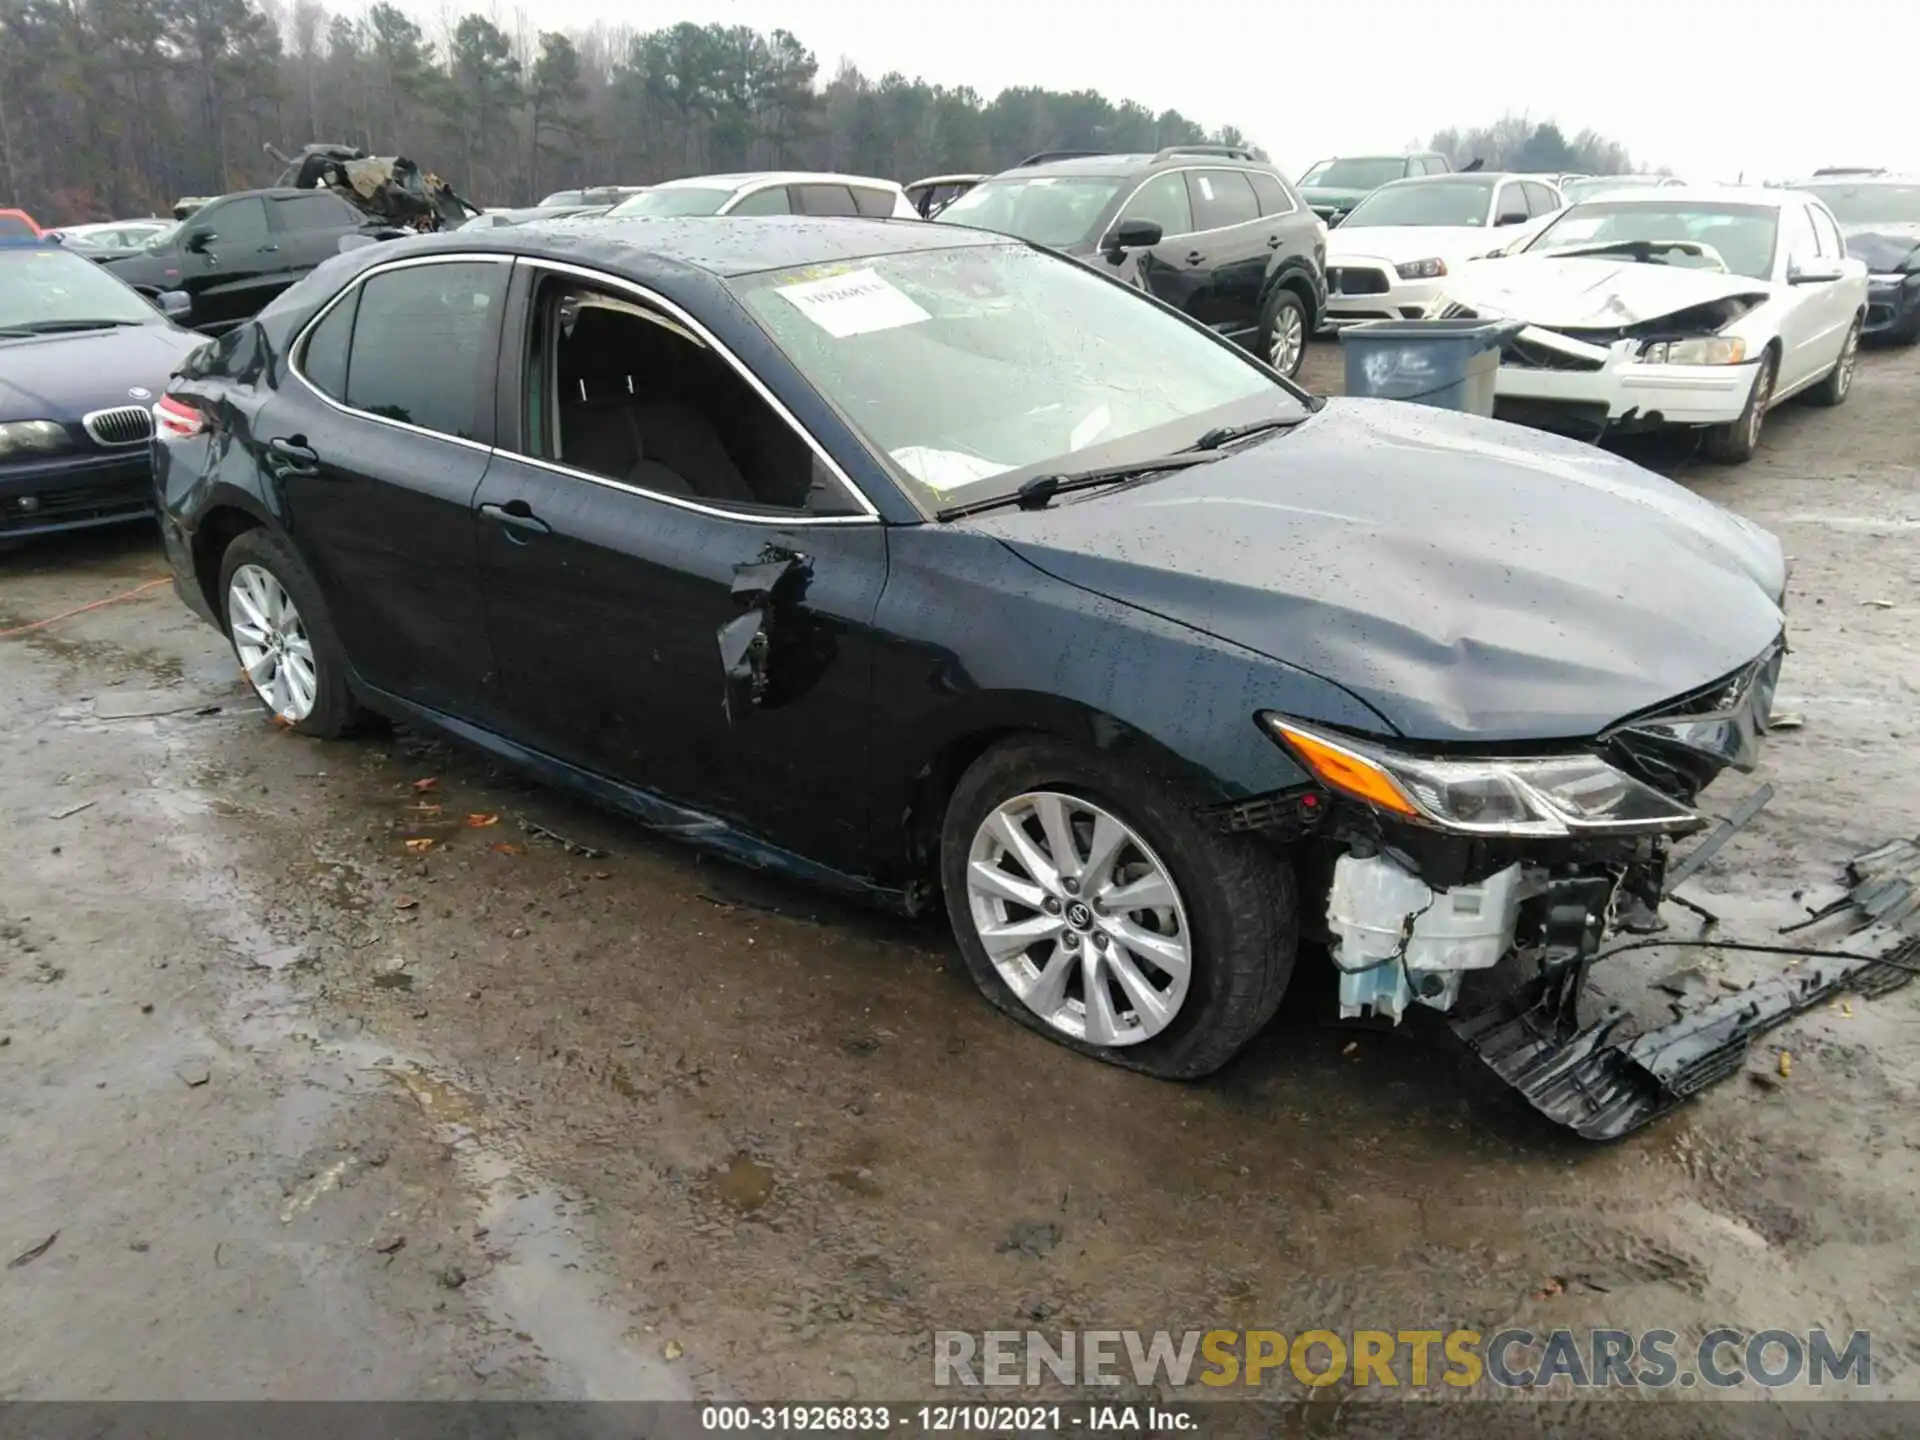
(1446,363)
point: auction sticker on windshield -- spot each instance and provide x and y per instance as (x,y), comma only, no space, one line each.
(856,303)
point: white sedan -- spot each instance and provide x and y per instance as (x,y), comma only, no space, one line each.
(1672,307)
(1393,253)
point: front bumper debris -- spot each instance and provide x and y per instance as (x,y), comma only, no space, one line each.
(1603,1084)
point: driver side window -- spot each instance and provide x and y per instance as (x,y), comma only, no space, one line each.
(238,222)
(620,390)
(1164,201)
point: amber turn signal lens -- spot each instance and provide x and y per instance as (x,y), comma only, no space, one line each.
(1342,770)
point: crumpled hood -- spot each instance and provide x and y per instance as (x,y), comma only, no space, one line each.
(1591,292)
(1399,243)
(1885,248)
(63,377)
(1467,579)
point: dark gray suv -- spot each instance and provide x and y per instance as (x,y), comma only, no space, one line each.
(1207,228)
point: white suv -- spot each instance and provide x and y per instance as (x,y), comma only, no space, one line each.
(773,192)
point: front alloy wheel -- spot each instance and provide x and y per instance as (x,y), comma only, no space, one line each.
(271,642)
(1080,918)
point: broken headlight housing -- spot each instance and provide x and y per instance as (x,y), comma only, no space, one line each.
(33,437)
(1707,350)
(1421,269)
(1524,797)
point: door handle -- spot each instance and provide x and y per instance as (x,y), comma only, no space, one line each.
(518,518)
(293,456)
(1194,257)
(1273,242)
(268,250)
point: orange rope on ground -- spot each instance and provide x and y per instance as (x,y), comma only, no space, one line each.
(82,609)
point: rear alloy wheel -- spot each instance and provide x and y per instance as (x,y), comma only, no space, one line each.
(1074,917)
(1283,332)
(1735,443)
(282,637)
(1833,389)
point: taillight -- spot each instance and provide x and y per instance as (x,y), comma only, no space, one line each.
(175,419)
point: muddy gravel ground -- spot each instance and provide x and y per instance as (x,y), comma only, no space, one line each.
(329,1073)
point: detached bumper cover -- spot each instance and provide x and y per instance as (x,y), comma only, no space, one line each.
(1547,368)
(1603,1085)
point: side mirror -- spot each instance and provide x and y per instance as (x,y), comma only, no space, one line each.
(1813,272)
(1132,235)
(174,304)
(1512,217)
(198,239)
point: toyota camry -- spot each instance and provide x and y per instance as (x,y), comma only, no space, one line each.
(927,565)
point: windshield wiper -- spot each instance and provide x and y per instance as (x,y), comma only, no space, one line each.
(59,327)
(1223,435)
(1037,493)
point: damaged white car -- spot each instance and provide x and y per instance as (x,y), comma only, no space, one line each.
(1671,307)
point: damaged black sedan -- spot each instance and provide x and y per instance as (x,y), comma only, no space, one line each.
(935,568)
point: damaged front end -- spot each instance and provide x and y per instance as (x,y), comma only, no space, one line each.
(1447,865)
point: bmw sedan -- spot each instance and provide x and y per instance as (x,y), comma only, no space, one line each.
(82,359)
(933,567)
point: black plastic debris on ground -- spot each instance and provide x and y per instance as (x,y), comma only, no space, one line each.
(1603,1085)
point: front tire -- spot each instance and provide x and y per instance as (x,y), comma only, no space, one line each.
(283,639)
(1833,388)
(1734,444)
(1093,906)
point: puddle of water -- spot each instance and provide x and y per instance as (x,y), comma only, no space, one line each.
(743,1184)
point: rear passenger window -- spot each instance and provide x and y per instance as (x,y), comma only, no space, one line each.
(314,212)
(1540,199)
(1827,233)
(825,200)
(423,340)
(875,203)
(1221,198)
(324,358)
(1271,193)
(770,201)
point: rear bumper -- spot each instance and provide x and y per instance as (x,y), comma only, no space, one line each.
(75,492)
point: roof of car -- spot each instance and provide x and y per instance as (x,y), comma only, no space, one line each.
(770,177)
(943,179)
(1878,178)
(1124,163)
(716,244)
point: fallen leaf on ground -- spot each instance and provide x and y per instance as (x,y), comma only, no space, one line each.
(481,822)
(672,1350)
(1554,1286)
(428,783)
(27,1257)
(501,847)
(404,902)
(420,844)
(1786,1064)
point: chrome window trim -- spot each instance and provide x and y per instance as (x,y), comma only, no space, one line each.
(298,348)
(1184,170)
(870,514)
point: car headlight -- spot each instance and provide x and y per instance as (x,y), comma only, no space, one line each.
(1547,796)
(1708,350)
(33,437)
(1421,269)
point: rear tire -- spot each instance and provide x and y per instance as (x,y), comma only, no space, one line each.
(1834,387)
(322,706)
(1229,904)
(1284,328)
(1734,444)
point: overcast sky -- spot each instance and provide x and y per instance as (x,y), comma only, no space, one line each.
(1708,87)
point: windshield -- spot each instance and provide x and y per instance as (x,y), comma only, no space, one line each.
(674,200)
(54,288)
(1425,202)
(1742,235)
(978,367)
(1056,210)
(1871,204)
(1357,173)
(561,197)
